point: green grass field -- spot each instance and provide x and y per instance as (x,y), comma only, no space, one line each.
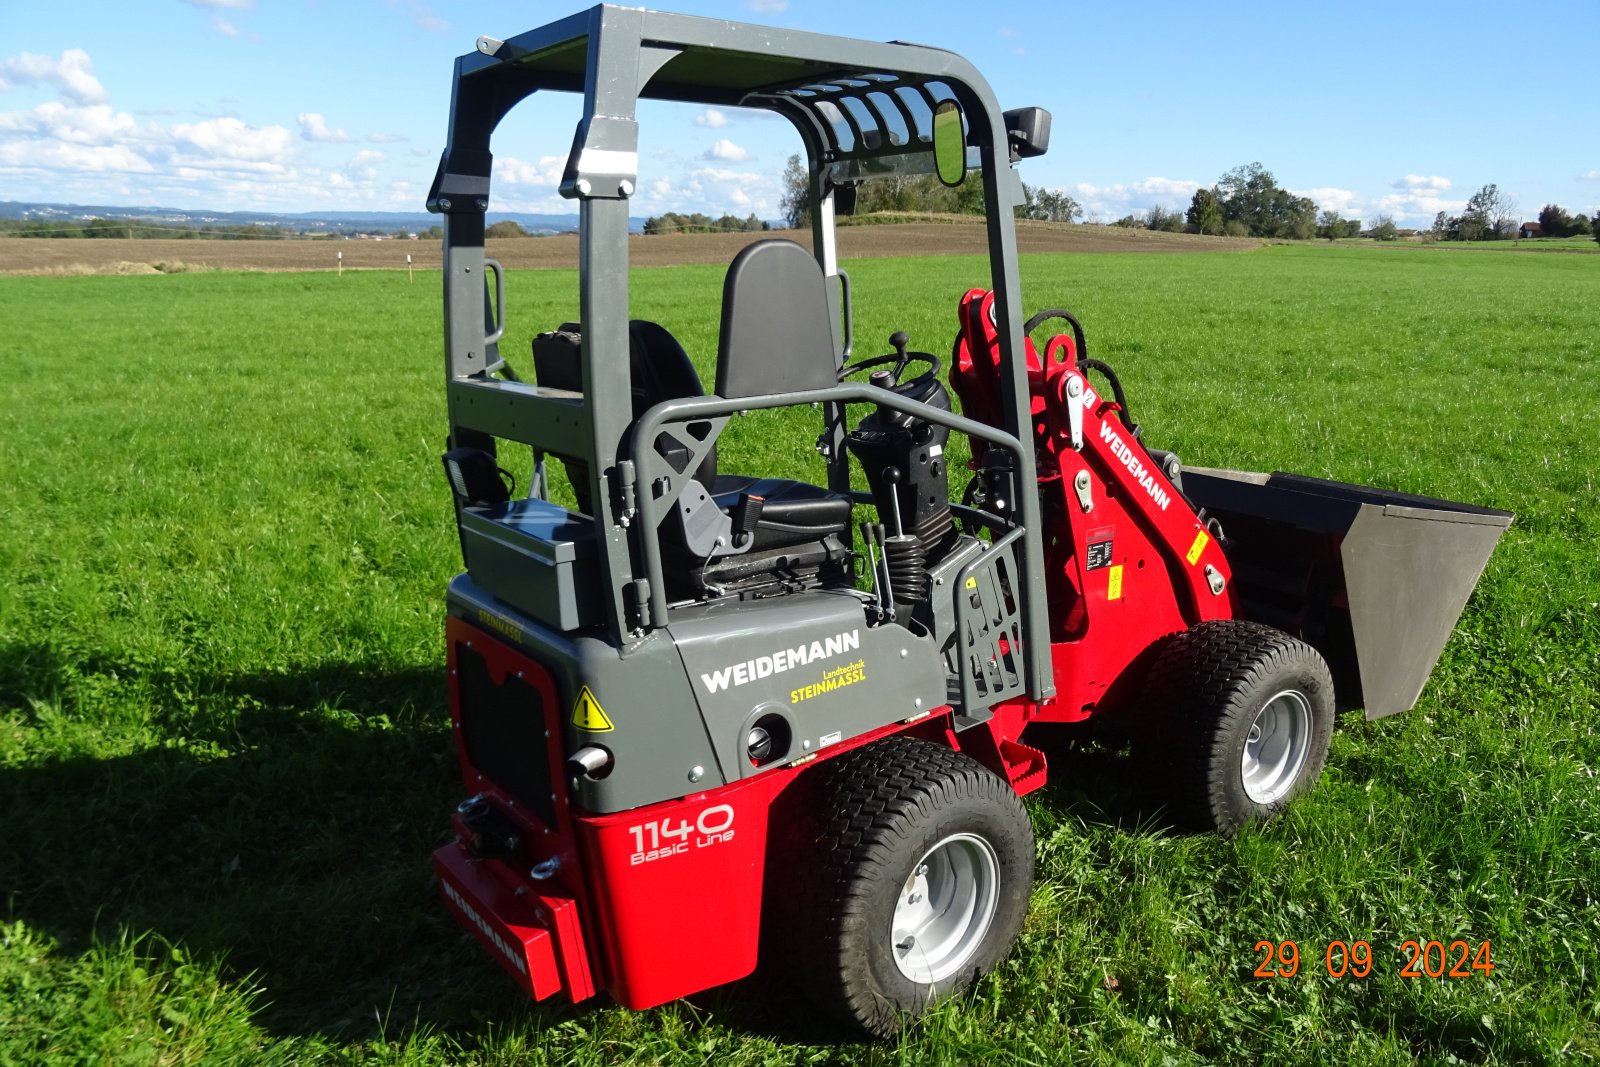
(224,755)
(1532,244)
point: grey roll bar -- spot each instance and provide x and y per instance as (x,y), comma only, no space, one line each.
(854,104)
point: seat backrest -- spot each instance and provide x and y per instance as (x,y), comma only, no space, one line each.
(777,323)
(658,369)
(661,370)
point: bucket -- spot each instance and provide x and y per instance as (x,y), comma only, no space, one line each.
(1373,579)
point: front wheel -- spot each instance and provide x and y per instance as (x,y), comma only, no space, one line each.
(1236,718)
(918,884)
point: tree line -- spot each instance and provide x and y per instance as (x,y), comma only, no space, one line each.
(1247,201)
(102,228)
(673,222)
(1555,222)
(922,194)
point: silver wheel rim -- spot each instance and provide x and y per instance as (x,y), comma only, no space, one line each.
(1276,746)
(945,908)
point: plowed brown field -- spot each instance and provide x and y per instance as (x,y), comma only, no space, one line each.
(42,256)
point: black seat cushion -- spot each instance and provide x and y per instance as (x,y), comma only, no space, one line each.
(792,513)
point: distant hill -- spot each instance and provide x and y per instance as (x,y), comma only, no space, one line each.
(310,222)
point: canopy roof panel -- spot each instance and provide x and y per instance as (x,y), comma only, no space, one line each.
(861,100)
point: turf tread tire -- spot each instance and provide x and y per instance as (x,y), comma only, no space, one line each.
(1199,698)
(861,821)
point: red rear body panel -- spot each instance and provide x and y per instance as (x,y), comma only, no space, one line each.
(647,905)
(678,890)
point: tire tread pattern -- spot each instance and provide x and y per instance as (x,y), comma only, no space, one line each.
(1197,686)
(861,805)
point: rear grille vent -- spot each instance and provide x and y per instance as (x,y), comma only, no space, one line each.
(503,729)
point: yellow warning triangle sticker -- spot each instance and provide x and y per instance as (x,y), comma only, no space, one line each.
(588,715)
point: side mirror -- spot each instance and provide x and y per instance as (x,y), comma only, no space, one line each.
(949,144)
(844,199)
(1028,131)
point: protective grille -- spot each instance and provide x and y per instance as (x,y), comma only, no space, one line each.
(502,727)
(989,628)
(871,122)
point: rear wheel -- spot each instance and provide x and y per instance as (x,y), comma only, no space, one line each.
(921,861)
(1236,722)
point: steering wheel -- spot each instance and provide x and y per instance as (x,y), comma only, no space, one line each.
(900,358)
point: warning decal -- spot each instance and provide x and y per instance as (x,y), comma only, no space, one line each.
(588,715)
(1098,553)
(1198,547)
(1114,584)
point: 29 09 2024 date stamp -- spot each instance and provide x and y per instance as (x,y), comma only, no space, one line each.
(1355,959)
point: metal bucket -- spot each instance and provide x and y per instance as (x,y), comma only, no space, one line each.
(1373,579)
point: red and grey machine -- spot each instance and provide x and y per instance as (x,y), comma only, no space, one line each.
(705,717)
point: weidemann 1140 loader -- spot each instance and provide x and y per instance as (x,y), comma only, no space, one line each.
(706,717)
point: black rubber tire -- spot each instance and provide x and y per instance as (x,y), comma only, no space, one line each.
(1202,695)
(861,823)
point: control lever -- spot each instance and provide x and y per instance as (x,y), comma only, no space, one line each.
(892,476)
(898,341)
(888,585)
(882,592)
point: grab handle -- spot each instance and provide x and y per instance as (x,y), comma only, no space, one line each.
(499,310)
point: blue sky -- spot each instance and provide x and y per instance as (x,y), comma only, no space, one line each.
(311,105)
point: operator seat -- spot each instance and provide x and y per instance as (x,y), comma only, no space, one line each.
(777,337)
(659,369)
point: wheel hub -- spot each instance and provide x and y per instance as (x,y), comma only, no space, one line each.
(945,908)
(1276,747)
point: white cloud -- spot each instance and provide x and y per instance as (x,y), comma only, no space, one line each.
(72,158)
(226,5)
(546,173)
(363,166)
(718,191)
(72,74)
(1421,183)
(232,139)
(768,7)
(711,117)
(727,152)
(1126,198)
(224,27)
(1345,202)
(423,16)
(1591,176)
(1419,198)
(314,128)
(97,125)
(1415,208)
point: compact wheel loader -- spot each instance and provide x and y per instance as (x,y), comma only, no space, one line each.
(703,711)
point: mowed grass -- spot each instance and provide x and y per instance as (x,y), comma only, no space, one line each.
(223,746)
